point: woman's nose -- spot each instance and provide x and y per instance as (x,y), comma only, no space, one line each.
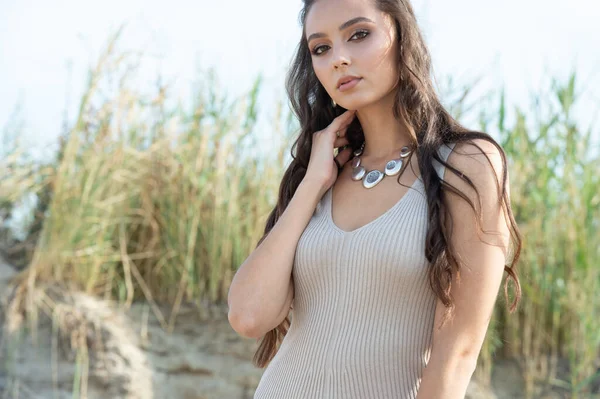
(340,58)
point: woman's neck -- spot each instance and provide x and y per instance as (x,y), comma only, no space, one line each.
(384,134)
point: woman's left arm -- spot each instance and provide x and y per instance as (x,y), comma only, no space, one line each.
(457,344)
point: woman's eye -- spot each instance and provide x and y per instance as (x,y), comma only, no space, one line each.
(361,35)
(316,50)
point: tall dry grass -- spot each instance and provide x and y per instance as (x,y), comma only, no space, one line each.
(149,201)
(152,201)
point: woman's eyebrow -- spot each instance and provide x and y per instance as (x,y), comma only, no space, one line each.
(342,27)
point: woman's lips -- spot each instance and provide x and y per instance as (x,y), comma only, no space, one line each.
(349,85)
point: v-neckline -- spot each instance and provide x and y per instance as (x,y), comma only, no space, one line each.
(329,206)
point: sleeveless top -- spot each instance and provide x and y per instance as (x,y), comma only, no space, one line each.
(363,310)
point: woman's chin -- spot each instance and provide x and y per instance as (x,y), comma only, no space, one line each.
(351,105)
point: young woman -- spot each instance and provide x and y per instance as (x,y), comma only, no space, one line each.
(393,226)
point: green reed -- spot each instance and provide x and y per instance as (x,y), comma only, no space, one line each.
(555,197)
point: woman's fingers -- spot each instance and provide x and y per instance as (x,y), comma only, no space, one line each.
(341,121)
(341,138)
(342,141)
(344,156)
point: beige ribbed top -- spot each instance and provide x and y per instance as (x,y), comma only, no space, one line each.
(363,310)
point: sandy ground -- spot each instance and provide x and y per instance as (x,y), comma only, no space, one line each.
(127,354)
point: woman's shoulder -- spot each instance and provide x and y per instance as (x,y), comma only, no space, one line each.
(478,160)
(473,158)
(473,153)
(443,151)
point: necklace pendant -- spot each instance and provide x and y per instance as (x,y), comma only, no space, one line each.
(372,178)
(358,152)
(393,167)
(404,152)
(358,173)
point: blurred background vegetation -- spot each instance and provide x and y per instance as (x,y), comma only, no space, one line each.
(148,200)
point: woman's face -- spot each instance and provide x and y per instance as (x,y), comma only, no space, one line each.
(365,47)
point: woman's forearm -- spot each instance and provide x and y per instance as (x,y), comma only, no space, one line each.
(447,379)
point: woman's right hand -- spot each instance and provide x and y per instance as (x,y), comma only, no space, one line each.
(321,167)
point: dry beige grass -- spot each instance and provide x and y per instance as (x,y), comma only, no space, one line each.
(156,203)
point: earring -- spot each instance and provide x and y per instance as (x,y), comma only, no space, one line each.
(333,103)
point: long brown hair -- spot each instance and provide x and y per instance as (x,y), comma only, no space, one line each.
(418,108)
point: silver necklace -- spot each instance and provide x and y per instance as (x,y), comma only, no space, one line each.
(372,178)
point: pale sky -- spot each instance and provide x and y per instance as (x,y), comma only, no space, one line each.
(517,43)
